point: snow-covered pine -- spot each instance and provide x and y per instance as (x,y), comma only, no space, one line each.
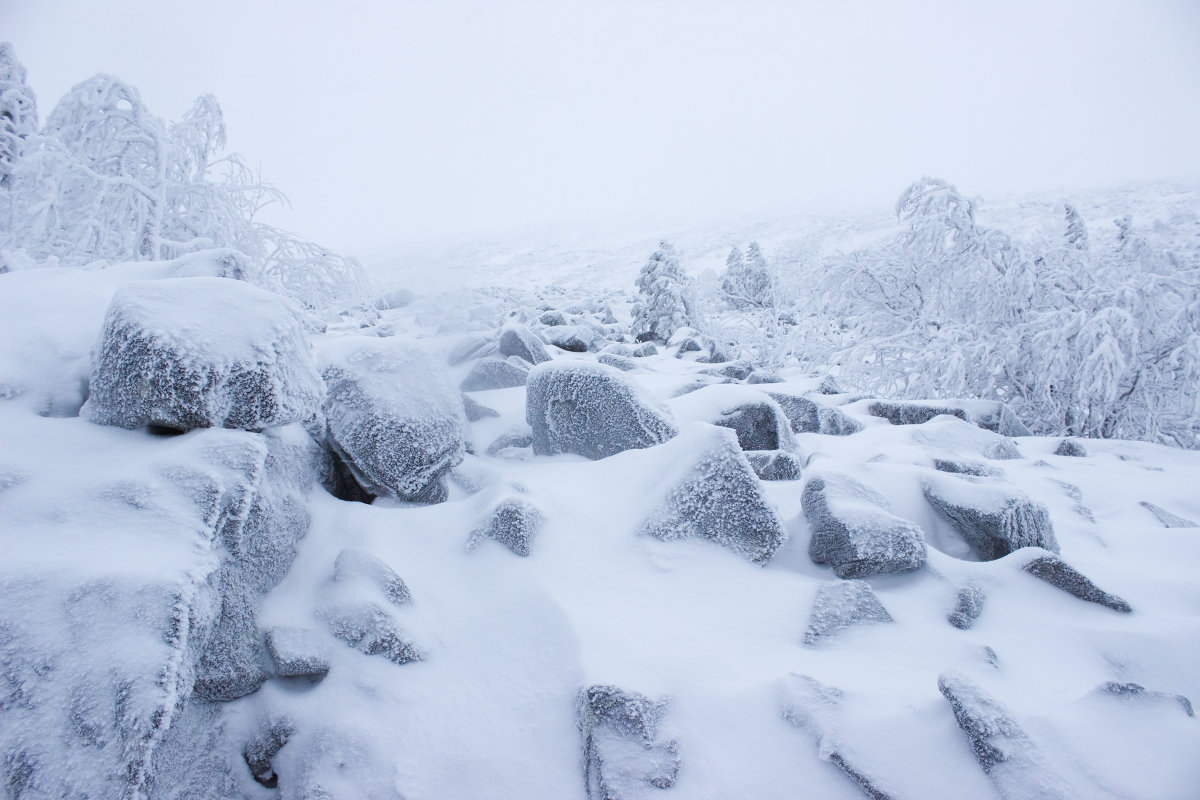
(18,113)
(662,308)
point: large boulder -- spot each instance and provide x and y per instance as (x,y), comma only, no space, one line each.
(759,422)
(1001,746)
(393,416)
(624,754)
(591,410)
(572,338)
(841,605)
(186,353)
(854,532)
(711,492)
(522,342)
(808,416)
(495,373)
(994,518)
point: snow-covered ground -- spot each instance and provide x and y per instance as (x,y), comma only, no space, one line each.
(146,577)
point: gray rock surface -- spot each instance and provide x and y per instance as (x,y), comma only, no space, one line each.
(1061,575)
(775,465)
(987,414)
(713,494)
(994,518)
(1071,447)
(619,362)
(189,353)
(624,754)
(809,416)
(591,410)
(495,373)
(392,416)
(967,607)
(572,338)
(1135,692)
(759,425)
(297,653)
(522,342)
(519,438)
(371,629)
(841,605)
(854,532)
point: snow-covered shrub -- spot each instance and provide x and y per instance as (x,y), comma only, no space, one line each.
(662,308)
(747,279)
(18,113)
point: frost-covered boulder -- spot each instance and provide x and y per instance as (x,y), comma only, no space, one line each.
(371,629)
(188,353)
(994,518)
(854,532)
(264,745)
(297,653)
(1002,747)
(913,413)
(522,342)
(763,376)
(967,607)
(775,465)
(1071,447)
(619,362)
(808,416)
(735,370)
(572,338)
(625,756)
(711,492)
(553,318)
(990,415)
(472,347)
(354,565)
(1059,574)
(963,467)
(591,410)
(476,411)
(758,421)
(495,373)
(841,605)
(513,522)
(392,415)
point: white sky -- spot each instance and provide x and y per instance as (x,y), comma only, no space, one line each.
(395,122)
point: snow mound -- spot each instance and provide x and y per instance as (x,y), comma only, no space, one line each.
(188,353)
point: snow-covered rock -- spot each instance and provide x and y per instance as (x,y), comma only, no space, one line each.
(392,415)
(371,629)
(297,653)
(619,362)
(841,605)
(624,754)
(495,373)
(854,532)
(354,565)
(775,465)
(988,414)
(994,518)
(1059,574)
(471,347)
(758,421)
(967,607)
(809,416)
(1071,447)
(712,493)
(514,522)
(591,410)
(522,342)
(476,411)
(189,353)
(572,338)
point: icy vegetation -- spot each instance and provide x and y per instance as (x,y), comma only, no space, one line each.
(852,512)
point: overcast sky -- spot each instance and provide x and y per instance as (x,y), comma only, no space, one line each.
(395,122)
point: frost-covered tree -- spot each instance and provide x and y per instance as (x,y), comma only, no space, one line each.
(1077,235)
(747,278)
(18,113)
(661,309)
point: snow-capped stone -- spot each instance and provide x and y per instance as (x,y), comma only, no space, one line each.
(513,522)
(808,416)
(990,415)
(471,347)
(624,755)
(853,531)
(994,518)
(1071,447)
(913,413)
(266,743)
(967,607)
(1001,746)
(961,467)
(476,411)
(737,370)
(297,653)
(644,350)
(495,373)
(1058,573)
(775,465)
(758,421)
(591,410)
(572,338)
(1002,450)
(188,353)
(841,605)
(371,629)
(1135,692)
(353,565)
(553,318)
(393,416)
(830,385)
(1168,519)
(763,376)
(711,492)
(522,342)
(519,437)
(614,360)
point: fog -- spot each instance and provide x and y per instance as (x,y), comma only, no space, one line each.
(392,123)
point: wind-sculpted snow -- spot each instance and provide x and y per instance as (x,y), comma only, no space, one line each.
(624,754)
(712,493)
(591,410)
(854,532)
(993,517)
(198,353)
(393,416)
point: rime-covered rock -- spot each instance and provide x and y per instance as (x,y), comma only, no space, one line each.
(1001,746)
(188,353)
(987,414)
(912,413)
(297,653)
(763,376)
(495,373)
(644,350)
(591,410)
(758,421)
(994,518)
(854,532)
(392,416)
(1061,575)
(1002,450)
(1071,447)
(471,347)
(711,492)
(624,754)
(553,318)
(841,605)
(958,467)
(1135,692)
(572,338)
(808,416)
(967,607)
(619,362)
(476,411)
(775,465)
(1168,519)
(513,522)
(830,385)
(522,342)
(268,740)
(371,629)
(353,565)
(519,438)
(737,370)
